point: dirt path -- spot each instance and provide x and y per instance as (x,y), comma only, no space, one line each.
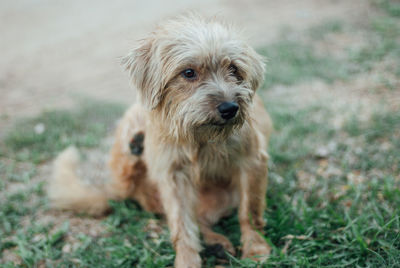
(53,51)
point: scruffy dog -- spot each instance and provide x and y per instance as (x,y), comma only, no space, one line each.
(194,146)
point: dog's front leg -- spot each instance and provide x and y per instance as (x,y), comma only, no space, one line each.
(179,200)
(253,187)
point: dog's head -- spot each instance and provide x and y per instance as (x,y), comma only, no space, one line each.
(197,75)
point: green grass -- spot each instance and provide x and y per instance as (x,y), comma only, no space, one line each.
(391,7)
(319,31)
(15,207)
(293,62)
(383,129)
(341,209)
(44,250)
(127,245)
(295,58)
(360,226)
(84,127)
(383,44)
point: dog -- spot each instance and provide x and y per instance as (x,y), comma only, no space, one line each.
(194,145)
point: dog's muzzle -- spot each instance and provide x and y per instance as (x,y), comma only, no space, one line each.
(228,110)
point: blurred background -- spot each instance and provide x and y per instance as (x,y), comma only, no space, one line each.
(332,88)
(52,50)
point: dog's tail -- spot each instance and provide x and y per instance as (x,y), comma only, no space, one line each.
(67,191)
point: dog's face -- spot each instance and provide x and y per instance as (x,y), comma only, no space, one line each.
(198,76)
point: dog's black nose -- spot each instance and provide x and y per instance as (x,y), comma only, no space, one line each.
(228,110)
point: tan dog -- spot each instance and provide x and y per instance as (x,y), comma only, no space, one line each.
(194,146)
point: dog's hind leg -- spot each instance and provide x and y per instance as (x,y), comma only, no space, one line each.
(127,165)
(130,179)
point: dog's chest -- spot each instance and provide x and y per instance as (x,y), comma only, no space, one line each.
(218,161)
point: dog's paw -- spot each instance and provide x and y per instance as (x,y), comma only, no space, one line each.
(255,247)
(187,259)
(217,241)
(218,250)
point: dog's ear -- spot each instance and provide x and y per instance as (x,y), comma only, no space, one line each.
(145,72)
(256,68)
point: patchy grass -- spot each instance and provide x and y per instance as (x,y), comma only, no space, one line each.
(320,218)
(127,244)
(391,7)
(14,208)
(339,210)
(295,58)
(383,44)
(40,138)
(37,245)
(334,192)
(293,62)
(319,31)
(382,134)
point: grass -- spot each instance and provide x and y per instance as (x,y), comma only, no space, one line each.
(319,31)
(383,129)
(40,138)
(298,63)
(15,207)
(391,7)
(356,227)
(338,209)
(295,57)
(126,225)
(345,223)
(383,44)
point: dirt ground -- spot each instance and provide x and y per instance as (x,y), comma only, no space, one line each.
(54,51)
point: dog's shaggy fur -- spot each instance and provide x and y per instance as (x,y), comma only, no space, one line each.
(196,165)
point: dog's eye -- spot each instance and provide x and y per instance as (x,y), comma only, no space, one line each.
(233,69)
(189,74)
